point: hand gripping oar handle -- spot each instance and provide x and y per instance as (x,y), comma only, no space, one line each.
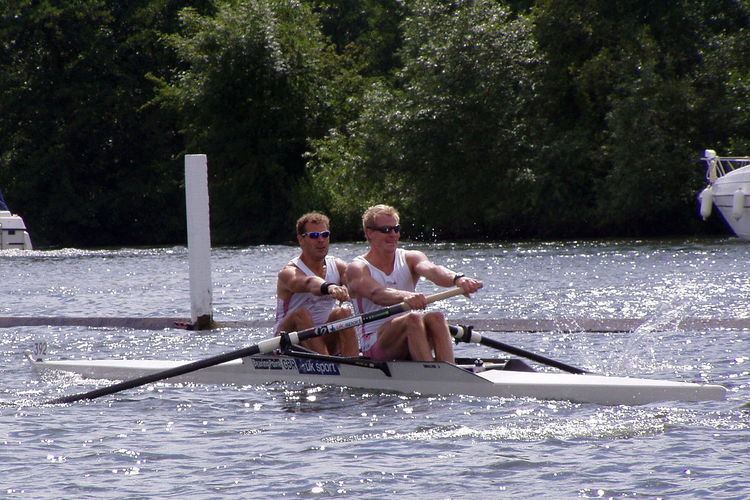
(467,334)
(262,347)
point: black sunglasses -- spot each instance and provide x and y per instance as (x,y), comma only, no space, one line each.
(386,229)
(317,234)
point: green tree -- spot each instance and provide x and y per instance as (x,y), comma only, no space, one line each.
(366,32)
(722,80)
(629,94)
(260,80)
(84,157)
(449,142)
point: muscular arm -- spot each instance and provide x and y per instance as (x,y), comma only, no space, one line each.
(422,266)
(440,275)
(361,284)
(291,280)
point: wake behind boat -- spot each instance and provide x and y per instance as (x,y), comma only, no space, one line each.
(506,378)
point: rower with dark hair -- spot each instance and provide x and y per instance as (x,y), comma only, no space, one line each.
(310,285)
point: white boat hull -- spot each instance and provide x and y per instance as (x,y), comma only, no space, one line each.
(724,191)
(406,377)
(13,233)
(729,191)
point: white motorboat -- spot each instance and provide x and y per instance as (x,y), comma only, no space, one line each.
(729,189)
(507,378)
(13,233)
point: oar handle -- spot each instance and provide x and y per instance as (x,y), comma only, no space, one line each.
(343,324)
(262,347)
(451,292)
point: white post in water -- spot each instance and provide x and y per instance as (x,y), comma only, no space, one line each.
(199,240)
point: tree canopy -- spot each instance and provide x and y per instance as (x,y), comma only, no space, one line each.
(481,119)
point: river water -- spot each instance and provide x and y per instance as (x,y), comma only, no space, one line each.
(168,440)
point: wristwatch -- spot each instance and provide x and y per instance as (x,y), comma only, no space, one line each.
(457,277)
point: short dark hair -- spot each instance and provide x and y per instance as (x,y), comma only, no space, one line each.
(315,218)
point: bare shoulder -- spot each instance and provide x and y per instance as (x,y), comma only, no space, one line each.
(357,263)
(288,272)
(356,268)
(340,263)
(415,256)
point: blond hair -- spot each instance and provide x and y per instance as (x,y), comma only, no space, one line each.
(368,218)
(313,217)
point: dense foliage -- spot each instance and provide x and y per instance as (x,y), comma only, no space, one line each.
(479,119)
(84,158)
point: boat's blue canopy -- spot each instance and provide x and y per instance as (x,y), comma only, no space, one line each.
(3,205)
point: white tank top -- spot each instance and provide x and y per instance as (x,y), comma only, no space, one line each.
(319,306)
(400,279)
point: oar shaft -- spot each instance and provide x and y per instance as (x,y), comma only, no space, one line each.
(361,319)
(466,334)
(161,375)
(262,347)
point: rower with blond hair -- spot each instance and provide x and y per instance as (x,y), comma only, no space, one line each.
(388,275)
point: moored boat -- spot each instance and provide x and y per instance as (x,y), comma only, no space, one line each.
(13,233)
(507,378)
(729,190)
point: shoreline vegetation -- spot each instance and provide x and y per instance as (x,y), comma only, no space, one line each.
(480,120)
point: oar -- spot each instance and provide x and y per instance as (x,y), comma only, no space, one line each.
(263,347)
(467,334)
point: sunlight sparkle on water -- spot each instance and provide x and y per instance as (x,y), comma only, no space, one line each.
(438,446)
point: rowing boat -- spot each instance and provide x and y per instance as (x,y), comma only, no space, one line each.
(505,378)
(282,359)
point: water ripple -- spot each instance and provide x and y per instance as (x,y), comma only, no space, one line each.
(175,440)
